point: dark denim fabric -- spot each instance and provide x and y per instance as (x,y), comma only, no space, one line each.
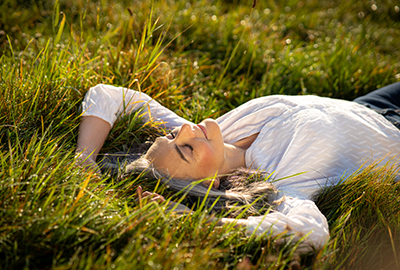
(385,101)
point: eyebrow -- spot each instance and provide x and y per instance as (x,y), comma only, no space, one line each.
(180,153)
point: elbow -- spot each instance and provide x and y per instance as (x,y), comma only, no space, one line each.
(318,238)
(95,89)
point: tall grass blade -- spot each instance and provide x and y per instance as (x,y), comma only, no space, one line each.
(60,30)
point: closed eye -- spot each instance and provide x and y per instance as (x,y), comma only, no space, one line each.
(172,134)
(190,147)
(180,153)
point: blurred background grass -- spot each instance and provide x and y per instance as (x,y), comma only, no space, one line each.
(201,59)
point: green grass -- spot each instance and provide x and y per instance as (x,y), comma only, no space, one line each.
(201,59)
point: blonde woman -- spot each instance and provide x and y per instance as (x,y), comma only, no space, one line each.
(300,144)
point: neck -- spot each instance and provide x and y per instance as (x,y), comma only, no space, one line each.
(235,153)
(234,158)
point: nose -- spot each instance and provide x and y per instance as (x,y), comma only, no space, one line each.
(186,132)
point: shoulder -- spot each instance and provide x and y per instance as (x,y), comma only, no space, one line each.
(277,104)
(104,88)
(306,100)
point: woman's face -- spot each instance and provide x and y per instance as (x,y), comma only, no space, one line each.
(191,151)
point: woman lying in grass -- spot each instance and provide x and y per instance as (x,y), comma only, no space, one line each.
(300,143)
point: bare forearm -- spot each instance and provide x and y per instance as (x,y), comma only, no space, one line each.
(93,132)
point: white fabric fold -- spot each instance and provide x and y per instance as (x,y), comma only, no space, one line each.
(296,216)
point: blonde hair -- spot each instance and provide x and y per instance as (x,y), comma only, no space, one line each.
(239,189)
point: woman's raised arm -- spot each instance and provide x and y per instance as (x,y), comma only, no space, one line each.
(103,104)
(93,132)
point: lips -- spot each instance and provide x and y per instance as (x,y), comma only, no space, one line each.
(204,131)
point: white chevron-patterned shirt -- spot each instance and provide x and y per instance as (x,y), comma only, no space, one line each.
(317,141)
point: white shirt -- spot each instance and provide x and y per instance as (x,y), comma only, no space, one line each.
(305,142)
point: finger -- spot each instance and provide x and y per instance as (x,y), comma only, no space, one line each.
(139,194)
(158,199)
(150,196)
(139,191)
(147,193)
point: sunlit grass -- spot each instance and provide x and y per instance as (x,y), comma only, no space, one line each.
(201,59)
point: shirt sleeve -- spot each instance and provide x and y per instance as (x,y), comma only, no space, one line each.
(296,216)
(109,102)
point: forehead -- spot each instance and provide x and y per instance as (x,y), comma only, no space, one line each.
(163,155)
(160,148)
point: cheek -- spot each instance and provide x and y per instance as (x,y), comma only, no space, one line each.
(209,158)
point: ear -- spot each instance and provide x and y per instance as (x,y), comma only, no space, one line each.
(215,183)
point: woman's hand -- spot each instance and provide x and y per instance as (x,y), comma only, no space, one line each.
(148,196)
(145,197)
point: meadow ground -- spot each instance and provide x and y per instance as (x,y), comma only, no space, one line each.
(201,59)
